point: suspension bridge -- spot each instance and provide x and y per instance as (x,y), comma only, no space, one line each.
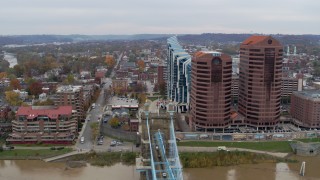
(159,153)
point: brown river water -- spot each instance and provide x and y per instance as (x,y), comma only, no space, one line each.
(39,170)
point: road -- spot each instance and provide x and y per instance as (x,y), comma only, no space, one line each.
(93,115)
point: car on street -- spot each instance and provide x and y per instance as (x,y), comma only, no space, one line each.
(82,140)
(100,141)
(113,143)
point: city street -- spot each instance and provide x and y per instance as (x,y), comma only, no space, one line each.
(93,116)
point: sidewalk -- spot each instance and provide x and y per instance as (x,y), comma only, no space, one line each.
(65,155)
(214,149)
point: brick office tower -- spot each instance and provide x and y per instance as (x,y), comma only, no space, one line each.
(260,81)
(210,90)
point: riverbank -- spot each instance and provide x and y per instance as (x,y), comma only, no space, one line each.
(32,154)
(105,158)
(270,146)
(224,158)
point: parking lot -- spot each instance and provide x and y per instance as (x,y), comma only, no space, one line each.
(123,146)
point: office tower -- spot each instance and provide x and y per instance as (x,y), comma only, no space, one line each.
(260,81)
(178,74)
(210,90)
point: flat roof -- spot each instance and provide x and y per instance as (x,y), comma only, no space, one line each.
(314,94)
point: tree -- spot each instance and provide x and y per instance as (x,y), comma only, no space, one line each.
(141,65)
(69,80)
(142,98)
(3,75)
(18,70)
(35,88)
(162,88)
(110,61)
(15,84)
(13,98)
(114,122)
(94,129)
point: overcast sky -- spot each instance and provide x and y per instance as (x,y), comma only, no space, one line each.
(98,17)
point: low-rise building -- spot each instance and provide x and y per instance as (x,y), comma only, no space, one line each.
(305,108)
(46,124)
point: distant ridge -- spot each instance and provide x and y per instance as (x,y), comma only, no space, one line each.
(204,38)
(36,39)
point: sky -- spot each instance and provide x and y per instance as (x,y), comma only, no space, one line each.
(122,17)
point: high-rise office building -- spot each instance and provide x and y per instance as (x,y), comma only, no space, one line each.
(210,90)
(260,81)
(178,74)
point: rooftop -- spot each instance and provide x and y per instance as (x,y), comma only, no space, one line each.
(68,88)
(312,94)
(254,39)
(50,111)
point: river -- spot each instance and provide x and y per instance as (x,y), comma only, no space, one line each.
(39,170)
(11,58)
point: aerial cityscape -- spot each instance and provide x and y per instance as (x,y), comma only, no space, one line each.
(159,90)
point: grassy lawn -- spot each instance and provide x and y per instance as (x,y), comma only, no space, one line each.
(32,154)
(272,146)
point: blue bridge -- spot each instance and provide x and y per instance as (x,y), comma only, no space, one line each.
(159,153)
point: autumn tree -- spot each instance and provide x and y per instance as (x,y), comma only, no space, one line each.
(15,84)
(110,61)
(142,98)
(94,130)
(114,122)
(3,75)
(13,98)
(35,88)
(141,65)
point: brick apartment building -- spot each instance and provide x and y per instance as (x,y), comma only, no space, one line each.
(46,124)
(71,96)
(305,108)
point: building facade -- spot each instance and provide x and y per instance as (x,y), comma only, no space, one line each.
(260,81)
(178,74)
(46,124)
(71,96)
(291,84)
(305,108)
(210,90)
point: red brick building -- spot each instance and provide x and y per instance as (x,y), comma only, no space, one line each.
(46,124)
(71,96)
(260,81)
(210,90)
(305,108)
